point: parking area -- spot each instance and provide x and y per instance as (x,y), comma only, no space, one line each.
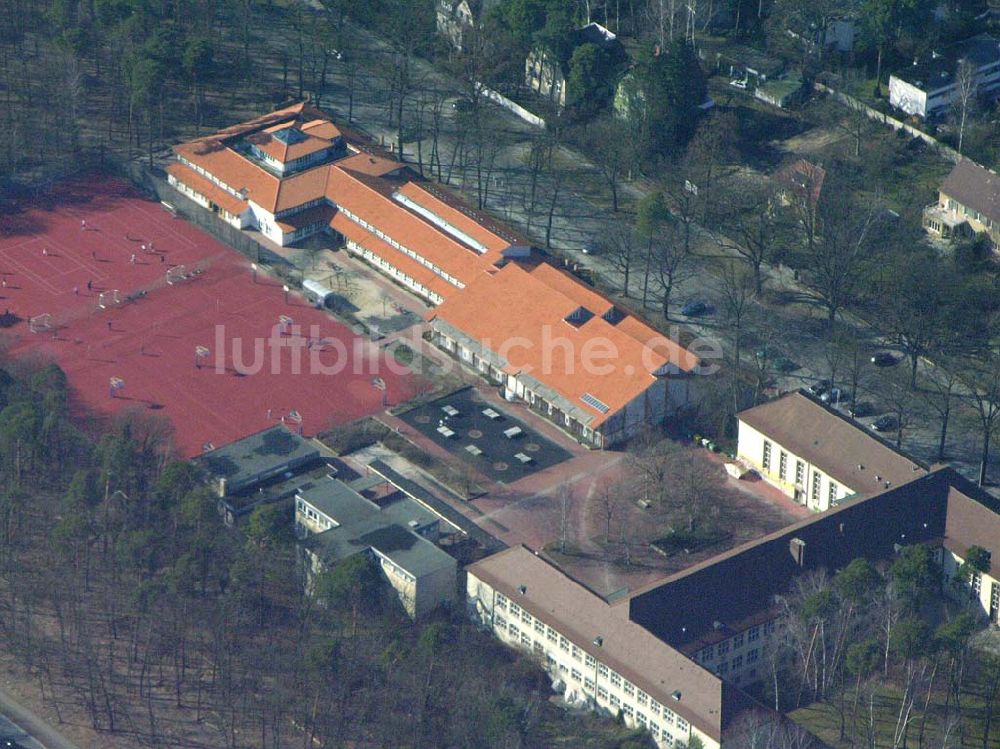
(491,440)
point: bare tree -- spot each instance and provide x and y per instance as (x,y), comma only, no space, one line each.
(966,85)
(940,396)
(612,149)
(737,306)
(610,499)
(622,251)
(750,212)
(846,247)
(980,378)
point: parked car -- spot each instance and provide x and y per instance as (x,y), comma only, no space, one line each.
(778,360)
(861,409)
(819,387)
(697,308)
(885,423)
(885,359)
(834,396)
(590,248)
(462,105)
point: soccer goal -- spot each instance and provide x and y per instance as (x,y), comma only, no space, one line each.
(176,274)
(40,323)
(110,298)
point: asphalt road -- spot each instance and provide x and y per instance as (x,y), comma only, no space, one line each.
(28,729)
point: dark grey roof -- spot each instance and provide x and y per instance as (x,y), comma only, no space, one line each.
(347,507)
(974,187)
(262,454)
(939,71)
(739,585)
(403,547)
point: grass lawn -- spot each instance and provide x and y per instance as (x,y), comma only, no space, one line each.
(823,718)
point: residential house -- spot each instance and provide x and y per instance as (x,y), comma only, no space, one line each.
(930,87)
(839,35)
(334,520)
(817,455)
(456,19)
(543,337)
(968,204)
(800,183)
(548,76)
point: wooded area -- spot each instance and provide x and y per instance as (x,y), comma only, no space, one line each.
(137,612)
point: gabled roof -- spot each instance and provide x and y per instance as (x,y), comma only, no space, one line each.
(205,186)
(973,520)
(803,177)
(579,613)
(370,199)
(974,187)
(480,227)
(735,586)
(218,159)
(850,455)
(525,321)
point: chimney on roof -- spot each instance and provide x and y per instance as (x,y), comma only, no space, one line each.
(599,641)
(797,547)
(676,694)
(522,589)
(716,625)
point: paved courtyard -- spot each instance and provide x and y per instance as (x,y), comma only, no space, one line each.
(495,443)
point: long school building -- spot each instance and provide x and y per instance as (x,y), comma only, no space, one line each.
(674,657)
(541,335)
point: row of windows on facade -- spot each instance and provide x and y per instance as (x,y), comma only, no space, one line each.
(395,272)
(588,660)
(736,642)
(632,715)
(313,515)
(402,248)
(800,473)
(211,177)
(294,164)
(954,205)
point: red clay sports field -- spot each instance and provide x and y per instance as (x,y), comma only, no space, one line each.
(186,291)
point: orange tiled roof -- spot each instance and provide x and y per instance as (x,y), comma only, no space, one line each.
(407,265)
(629,324)
(205,186)
(285,152)
(233,169)
(370,164)
(516,313)
(360,196)
(433,199)
(321,128)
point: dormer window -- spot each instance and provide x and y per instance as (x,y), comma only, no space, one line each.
(578,317)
